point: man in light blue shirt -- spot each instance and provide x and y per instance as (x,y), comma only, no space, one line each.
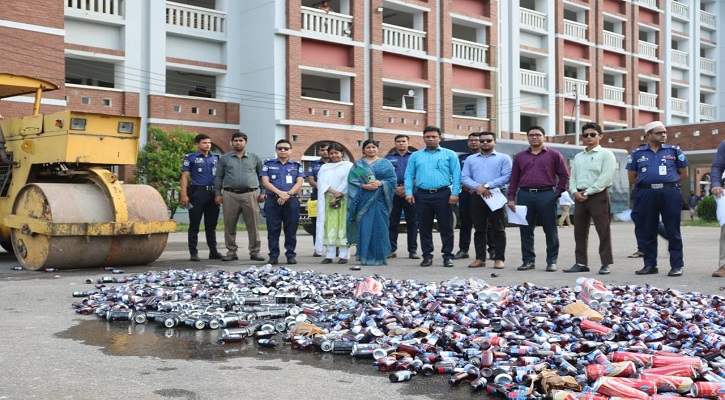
(436,174)
(487,171)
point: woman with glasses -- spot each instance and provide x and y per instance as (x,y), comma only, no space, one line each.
(332,210)
(371,187)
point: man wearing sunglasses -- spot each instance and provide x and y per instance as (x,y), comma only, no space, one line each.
(592,174)
(282,178)
(657,169)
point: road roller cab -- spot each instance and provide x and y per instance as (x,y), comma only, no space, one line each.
(61,206)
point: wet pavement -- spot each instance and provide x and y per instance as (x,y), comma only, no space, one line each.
(48,351)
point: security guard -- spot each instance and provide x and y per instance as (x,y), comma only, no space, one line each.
(312,172)
(282,178)
(199,196)
(658,169)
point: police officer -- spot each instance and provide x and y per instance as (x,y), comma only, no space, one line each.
(399,158)
(282,178)
(657,169)
(312,172)
(199,196)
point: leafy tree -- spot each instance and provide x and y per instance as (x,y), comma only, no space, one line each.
(159,162)
(707,209)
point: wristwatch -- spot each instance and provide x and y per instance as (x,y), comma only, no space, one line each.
(486,186)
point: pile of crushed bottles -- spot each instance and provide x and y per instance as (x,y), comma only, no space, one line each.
(588,341)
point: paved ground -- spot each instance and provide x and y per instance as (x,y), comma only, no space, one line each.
(47,351)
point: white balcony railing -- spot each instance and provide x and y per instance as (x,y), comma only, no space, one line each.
(575,29)
(533,80)
(707,111)
(614,94)
(679,58)
(328,23)
(614,40)
(405,38)
(193,17)
(679,10)
(649,3)
(572,85)
(470,51)
(707,20)
(648,100)
(107,7)
(647,49)
(533,20)
(679,106)
(707,66)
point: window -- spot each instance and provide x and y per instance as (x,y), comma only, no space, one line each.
(185,83)
(470,106)
(407,98)
(85,100)
(106,102)
(320,87)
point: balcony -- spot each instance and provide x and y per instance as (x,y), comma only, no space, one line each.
(326,23)
(572,85)
(679,10)
(533,20)
(614,40)
(106,8)
(533,80)
(647,49)
(707,66)
(707,111)
(707,20)
(614,94)
(404,38)
(679,58)
(679,106)
(575,29)
(648,100)
(470,51)
(649,3)
(196,18)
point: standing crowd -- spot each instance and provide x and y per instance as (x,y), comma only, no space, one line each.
(362,204)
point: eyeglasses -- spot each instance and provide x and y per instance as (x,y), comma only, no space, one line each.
(535,135)
(486,140)
(589,135)
(660,133)
(283,148)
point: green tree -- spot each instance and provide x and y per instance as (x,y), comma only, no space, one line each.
(159,162)
(707,209)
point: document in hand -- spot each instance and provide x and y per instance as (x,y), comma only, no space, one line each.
(720,210)
(496,201)
(518,217)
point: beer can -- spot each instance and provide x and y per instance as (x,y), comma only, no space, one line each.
(707,389)
(662,361)
(671,383)
(675,370)
(613,388)
(597,329)
(620,369)
(640,359)
(648,386)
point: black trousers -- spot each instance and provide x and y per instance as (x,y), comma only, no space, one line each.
(483,219)
(203,202)
(429,206)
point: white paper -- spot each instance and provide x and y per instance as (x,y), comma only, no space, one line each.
(720,201)
(497,199)
(624,216)
(518,217)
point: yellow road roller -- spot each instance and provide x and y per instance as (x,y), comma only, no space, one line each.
(61,205)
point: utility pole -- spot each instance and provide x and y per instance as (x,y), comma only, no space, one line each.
(576,120)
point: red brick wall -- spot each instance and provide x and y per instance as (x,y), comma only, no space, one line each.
(163,107)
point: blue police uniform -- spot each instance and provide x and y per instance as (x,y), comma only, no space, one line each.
(401,206)
(201,196)
(658,193)
(283,177)
(464,210)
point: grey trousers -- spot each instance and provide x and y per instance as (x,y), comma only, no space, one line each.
(245,204)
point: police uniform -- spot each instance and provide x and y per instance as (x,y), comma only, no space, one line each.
(283,177)
(201,196)
(658,193)
(312,171)
(400,205)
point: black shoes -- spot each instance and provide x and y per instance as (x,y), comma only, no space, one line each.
(526,266)
(342,261)
(326,261)
(273,260)
(461,254)
(577,268)
(194,257)
(448,262)
(551,268)
(427,262)
(316,254)
(649,271)
(256,257)
(413,256)
(232,257)
(675,271)
(604,270)
(291,260)
(392,255)
(215,256)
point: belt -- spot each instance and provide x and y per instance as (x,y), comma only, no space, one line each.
(202,187)
(440,189)
(239,191)
(537,190)
(292,196)
(656,185)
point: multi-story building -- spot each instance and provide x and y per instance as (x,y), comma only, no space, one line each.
(372,68)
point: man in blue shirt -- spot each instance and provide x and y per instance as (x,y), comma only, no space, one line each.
(716,174)
(399,159)
(485,172)
(312,172)
(282,178)
(198,197)
(658,169)
(436,173)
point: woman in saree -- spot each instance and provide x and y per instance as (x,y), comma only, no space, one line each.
(371,187)
(332,211)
